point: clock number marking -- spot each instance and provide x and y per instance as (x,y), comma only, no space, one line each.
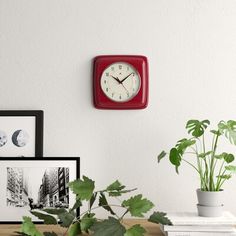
(107,89)
(120,97)
(112,94)
(127,68)
(107,73)
(120,67)
(112,68)
(105,81)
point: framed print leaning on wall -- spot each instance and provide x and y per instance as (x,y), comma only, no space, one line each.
(35,184)
(21,133)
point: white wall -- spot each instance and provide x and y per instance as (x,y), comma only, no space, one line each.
(47,47)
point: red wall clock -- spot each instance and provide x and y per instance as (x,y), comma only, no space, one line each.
(120,82)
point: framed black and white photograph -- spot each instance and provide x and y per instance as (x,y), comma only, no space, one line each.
(21,133)
(33,184)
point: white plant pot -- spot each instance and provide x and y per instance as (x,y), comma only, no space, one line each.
(210,211)
(210,203)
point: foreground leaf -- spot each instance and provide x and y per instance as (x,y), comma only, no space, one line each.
(196,127)
(175,157)
(83,188)
(54,211)
(92,200)
(20,233)
(183,144)
(116,186)
(29,228)
(224,176)
(159,218)
(49,234)
(231,168)
(138,205)
(110,227)
(161,156)
(204,154)
(48,219)
(116,189)
(135,230)
(76,205)
(228,157)
(229,130)
(87,221)
(66,219)
(74,229)
(104,204)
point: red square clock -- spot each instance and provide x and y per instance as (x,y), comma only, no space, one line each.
(120,82)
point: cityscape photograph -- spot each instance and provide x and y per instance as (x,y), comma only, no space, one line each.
(37,188)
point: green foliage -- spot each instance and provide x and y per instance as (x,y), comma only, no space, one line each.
(175,157)
(204,154)
(138,205)
(183,144)
(66,218)
(210,167)
(159,218)
(135,230)
(92,199)
(108,227)
(231,168)
(229,130)
(161,156)
(29,228)
(83,188)
(77,204)
(48,219)
(74,229)
(55,211)
(196,127)
(104,204)
(87,222)
(49,234)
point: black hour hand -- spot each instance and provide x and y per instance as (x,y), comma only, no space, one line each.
(116,79)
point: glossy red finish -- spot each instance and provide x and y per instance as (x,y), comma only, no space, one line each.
(140,63)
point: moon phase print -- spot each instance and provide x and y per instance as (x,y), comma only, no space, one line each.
(21,134)
(20,138)
(3,138)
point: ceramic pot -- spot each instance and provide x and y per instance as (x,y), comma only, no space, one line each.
(210,203)
(210,211)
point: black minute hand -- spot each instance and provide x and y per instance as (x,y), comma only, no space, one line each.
(126,77)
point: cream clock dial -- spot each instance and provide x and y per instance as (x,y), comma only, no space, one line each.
(120,82)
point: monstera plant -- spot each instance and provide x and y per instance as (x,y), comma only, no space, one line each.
(87,222)
(212,167)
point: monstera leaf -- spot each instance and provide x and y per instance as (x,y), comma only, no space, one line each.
(196,127)
(229,130)
(183,144)
(175,157)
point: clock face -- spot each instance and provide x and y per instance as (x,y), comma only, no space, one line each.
(120,82)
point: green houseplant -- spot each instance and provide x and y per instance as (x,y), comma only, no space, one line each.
(212,167)
(87,222)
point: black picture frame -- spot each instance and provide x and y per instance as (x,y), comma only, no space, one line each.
(35,161)
(39,122)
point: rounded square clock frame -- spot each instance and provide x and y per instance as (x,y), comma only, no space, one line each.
(139,65)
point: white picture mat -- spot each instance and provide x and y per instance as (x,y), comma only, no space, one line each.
(15,213)
(9,124)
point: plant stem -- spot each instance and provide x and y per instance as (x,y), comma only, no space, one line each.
(95,208)
(123,215)
(211,182)
(191,165)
